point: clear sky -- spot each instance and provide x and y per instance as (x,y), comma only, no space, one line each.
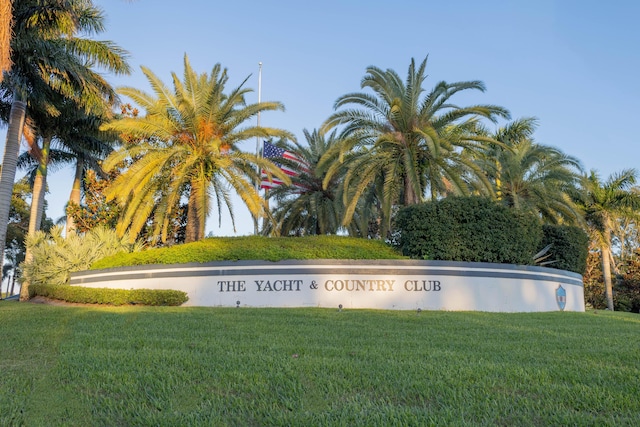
(573,64)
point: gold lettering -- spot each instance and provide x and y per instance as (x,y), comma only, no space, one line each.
(390,283)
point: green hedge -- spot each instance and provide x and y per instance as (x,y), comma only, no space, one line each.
(569,247)
(78,294)
(626,291)
(255,248)
(472,229)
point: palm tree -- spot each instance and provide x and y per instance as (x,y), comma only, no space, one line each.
(604,203)
(531,176)
(52,62)
(189,148)
(74,138)
(307,207)
(410,142)
(8,172)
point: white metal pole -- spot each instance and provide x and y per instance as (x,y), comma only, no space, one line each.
(259,100)
(255,221)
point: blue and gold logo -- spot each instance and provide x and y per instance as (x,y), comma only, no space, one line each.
(561,297)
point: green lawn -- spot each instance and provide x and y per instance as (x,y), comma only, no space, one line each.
(226,366)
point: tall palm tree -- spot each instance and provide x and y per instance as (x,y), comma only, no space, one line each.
(531,176)
(307,207)
(604,203)
(411,140)
(51,60)
(74,138)
(189,148)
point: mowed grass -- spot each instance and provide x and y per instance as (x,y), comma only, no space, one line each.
(86,366)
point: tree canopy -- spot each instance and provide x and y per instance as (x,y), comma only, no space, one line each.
(405,140)
(188,148)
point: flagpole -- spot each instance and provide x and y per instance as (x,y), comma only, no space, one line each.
(255,221)
(259,100)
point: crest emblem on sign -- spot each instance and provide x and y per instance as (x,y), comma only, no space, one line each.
(561,297)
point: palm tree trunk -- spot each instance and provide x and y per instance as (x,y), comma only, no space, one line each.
(195,223)
(9,161)
(605,252)
(410,196)
(515,199)
(6,23)
(191,232)
(13,282)
(39,189)
(74,197)
(37,207)
(498,182)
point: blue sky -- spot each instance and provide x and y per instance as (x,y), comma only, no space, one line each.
(572,64)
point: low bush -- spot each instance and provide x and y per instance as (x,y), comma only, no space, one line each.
(78,294)
(472,229)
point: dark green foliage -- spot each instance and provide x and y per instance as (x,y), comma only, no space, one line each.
(256,248)
(569,247)
(472,229)
(95,210)
(78,294)
(627,290)
(593,280)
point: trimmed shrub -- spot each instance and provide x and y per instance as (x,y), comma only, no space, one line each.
(79,294)
(472,229)
(255,248)
(569,247)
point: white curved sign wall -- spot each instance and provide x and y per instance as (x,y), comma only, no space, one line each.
(380,284)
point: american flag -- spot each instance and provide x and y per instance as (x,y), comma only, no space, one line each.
(270,151)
